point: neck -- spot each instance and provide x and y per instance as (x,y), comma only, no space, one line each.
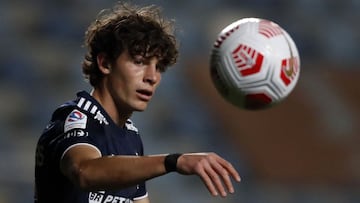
(108,103)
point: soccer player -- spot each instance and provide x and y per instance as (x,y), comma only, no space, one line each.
(91,151)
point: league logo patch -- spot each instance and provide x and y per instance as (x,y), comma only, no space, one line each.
(75,119)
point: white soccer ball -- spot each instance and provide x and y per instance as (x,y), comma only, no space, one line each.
(254,63)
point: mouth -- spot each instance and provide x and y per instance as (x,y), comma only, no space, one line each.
(144,94)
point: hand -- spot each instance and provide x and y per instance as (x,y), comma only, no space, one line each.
(214,171)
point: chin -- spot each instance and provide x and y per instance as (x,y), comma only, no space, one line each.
(140,107)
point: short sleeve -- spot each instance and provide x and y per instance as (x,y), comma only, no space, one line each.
(141,193)
(78,129)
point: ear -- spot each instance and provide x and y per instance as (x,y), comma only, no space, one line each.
(103,63)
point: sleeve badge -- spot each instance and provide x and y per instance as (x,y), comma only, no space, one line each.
(75,119)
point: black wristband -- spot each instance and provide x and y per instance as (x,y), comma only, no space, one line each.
(170,162)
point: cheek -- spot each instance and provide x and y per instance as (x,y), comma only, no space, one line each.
(117,83)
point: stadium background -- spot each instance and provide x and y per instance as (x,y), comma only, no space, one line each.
(304,150)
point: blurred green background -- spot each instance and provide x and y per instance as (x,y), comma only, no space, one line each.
(304,150)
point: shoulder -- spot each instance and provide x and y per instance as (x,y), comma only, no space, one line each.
(77,114)
(70,116)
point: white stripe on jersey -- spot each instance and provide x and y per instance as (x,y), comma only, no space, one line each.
(81,102)
(87,105)
(93,110)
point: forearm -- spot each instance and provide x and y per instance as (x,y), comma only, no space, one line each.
(118,172)
(85,167)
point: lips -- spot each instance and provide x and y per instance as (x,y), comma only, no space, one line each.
(144,94)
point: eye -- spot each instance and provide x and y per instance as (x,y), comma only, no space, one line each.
(138,61)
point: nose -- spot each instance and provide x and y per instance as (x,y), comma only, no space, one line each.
(152,75)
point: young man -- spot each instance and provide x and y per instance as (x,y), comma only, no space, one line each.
(90,151)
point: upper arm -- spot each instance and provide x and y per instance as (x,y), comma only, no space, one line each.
(73,159)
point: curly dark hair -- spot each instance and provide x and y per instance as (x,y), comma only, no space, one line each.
(139,30)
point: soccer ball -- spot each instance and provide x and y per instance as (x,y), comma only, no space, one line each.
(254,63)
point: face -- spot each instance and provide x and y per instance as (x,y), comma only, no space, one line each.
(132,82)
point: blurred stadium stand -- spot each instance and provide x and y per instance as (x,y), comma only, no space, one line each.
(304,150)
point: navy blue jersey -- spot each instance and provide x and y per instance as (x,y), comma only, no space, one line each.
(82,122)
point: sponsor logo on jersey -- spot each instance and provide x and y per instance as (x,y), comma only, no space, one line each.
(75,133)
(75,119)
(101,197)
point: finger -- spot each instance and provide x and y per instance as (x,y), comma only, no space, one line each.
(214,174)
(208,183)
(229,168)
(226,180)
(224,169)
